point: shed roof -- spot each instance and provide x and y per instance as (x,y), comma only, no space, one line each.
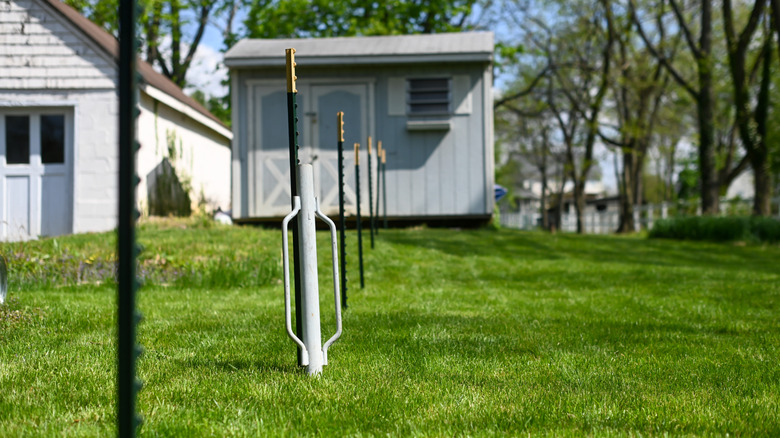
(397,49)
(110,45)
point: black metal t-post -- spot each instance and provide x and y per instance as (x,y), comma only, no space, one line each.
(342,217)
(127,317)
(384,186)
(378,179)
(359,220)
(370,196)
(292,130)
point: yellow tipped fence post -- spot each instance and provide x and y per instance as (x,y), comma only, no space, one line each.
(359,220)
(342,216)
(378,179)
(292,130)
(384,186)
(370,195)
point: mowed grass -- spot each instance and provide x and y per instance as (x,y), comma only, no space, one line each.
(456,333)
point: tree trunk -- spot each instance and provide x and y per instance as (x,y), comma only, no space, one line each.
(579,204)
(545,218)
(626,199)
(762,199)
(710,191)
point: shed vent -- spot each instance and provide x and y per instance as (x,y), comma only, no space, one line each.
(429,96)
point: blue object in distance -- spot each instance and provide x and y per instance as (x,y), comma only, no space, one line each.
(500,191)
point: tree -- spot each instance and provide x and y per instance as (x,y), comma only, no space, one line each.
(639,89)
(582,76)
(160,18)
(752,111)
(326,18)
(701,91)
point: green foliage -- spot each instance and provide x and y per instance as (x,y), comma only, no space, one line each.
(326,18)
(203,256)
(470,333)
(718,229)
(689,179)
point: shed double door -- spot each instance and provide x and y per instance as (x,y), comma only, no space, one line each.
(318,105)
(35,173)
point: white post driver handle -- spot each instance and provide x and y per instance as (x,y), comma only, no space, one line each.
(336,291)
(286,268)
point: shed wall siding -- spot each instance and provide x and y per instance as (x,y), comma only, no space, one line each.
(40,50)
(429,173)
(202,155)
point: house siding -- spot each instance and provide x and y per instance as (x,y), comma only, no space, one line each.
(202,155)
(39,50)
(429,173)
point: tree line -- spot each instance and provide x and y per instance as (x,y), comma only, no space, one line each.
(642,77)
(171,31)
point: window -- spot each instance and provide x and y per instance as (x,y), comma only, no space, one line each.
(52,139)
(428,96)
(17,139)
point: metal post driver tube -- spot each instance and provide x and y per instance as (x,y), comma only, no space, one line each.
(307,248)
(313,356)
(359,220)
(342,216)
(370,196)
(292,130)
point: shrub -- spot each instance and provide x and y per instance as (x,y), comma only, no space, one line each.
(718,229)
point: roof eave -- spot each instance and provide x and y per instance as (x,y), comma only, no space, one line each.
(279,61)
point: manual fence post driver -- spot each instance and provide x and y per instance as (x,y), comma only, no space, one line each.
(314,355)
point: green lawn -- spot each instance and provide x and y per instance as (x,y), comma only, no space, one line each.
(456,333)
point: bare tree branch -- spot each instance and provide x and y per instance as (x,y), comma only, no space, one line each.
(650,47)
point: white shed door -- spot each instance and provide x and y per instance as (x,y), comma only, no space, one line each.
(326,101)
(268,175)
(35,178)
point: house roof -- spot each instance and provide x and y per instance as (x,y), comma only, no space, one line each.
(110,45)
(431,48)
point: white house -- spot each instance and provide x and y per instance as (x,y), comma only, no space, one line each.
(58,127)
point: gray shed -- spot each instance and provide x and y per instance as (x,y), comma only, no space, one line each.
(427,98)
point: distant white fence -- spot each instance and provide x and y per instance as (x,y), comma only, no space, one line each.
(605,222)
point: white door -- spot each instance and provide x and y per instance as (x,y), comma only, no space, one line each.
(268,177)
(35,177)
(326,101)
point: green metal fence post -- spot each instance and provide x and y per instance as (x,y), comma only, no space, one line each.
(378,180)
(342,217)
(359,219)
(384,186)
(127,317)
(370,196)
(292,130)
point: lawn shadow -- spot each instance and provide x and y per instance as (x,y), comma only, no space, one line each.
(592,248)
(460,243)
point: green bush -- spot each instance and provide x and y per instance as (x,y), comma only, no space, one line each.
(718,229)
